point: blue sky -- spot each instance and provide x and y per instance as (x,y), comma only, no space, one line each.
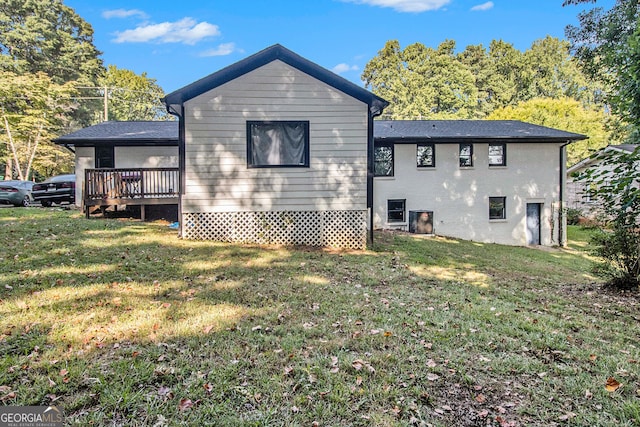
(178,42)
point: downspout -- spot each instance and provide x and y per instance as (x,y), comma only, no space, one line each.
(370,154)
(181,161)
(562,178)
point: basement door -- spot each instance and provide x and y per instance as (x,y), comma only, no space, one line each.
(533,223)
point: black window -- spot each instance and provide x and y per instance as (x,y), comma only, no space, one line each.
(383,160)
(105,157)
(278,144)
(497,154)
(497,208)
(426,155)
(396,210)
(466,155)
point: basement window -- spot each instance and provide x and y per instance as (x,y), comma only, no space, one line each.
(497,208)
(396,210)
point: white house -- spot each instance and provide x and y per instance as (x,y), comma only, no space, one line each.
(488,181)
(276,149)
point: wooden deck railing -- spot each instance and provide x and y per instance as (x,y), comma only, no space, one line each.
(130,186)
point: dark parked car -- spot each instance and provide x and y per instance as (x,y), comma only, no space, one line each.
(57,189)
(16,193)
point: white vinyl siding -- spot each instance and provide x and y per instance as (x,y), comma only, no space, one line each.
(217,176)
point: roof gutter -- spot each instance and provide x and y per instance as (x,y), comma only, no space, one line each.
(561,183)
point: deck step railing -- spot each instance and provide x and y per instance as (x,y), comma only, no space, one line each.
(130,184)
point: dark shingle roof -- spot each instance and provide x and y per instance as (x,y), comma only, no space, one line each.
(127,133)
(166,133)
(468,130)
(272,53)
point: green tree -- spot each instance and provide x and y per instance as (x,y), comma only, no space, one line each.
(33,110)
(493,89)
(422,82)
(132,96)
(551,72)
(508,63)
(563,113)
(607,45)
(614,184)
(47,36)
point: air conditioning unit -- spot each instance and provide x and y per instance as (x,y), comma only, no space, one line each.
(421,222)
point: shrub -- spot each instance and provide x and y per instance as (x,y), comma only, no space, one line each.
(573,216)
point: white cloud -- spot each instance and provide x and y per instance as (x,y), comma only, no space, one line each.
(123,13)
(406,5)
(343,68)
(222,50)
(482,7)
(186,31)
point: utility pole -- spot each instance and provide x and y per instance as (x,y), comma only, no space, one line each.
(104,97)
(106,105)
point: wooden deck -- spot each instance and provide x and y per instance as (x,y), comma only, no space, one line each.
(132,186)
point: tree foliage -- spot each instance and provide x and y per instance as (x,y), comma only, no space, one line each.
(47,36)
(562,113)
(422,82)
(34,109)
(614,184)
(132,96)
(606,44)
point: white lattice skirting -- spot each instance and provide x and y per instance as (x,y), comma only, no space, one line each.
(341,229)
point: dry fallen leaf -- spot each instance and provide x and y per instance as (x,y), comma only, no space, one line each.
(63,372)
(612,385)
(481,398)
(9,396)
(185,404)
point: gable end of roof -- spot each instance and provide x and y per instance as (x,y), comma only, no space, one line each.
(270,54)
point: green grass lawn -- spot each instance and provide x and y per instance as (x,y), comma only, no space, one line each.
(119,322)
